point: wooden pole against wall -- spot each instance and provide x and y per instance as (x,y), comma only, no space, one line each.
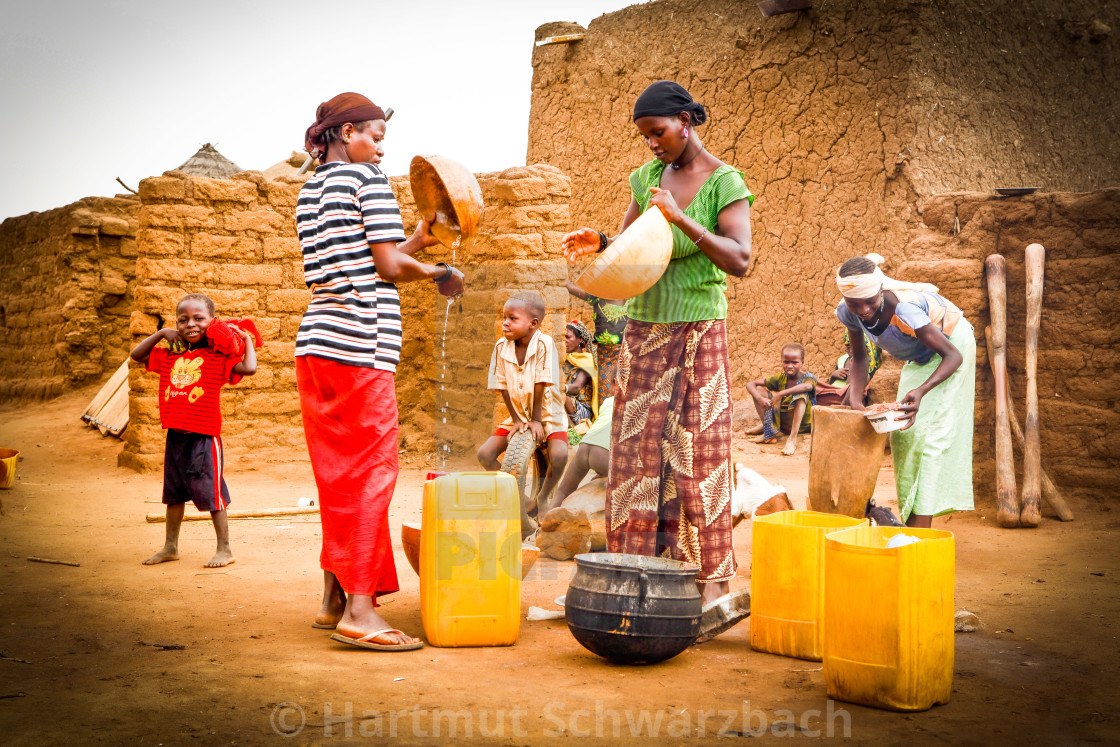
(1050,492)
(1030,516)
(1007,497)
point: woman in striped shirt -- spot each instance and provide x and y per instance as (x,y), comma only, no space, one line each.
(347,349)
(669,489)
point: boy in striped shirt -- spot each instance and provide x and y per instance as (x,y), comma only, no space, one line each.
(191,375)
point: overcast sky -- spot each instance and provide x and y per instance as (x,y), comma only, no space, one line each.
(97,89)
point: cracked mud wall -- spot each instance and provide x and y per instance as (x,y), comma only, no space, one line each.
(1079,338)
(842,119)
(845,119)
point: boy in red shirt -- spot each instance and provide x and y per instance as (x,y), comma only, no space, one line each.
(191,375)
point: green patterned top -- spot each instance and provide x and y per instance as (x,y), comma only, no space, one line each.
(692,288)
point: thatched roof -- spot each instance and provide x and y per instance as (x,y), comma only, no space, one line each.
(209,162)
(287,167)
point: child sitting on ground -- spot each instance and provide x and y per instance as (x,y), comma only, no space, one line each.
(191,374)
(525,368)
(785,401)
(581,388)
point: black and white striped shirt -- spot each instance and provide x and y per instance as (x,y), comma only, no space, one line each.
(354,316)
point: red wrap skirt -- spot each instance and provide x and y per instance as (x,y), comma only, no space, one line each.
(350,421)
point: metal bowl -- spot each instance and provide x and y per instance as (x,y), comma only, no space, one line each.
(448,189)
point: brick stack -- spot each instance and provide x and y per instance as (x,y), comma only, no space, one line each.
(65,295)
(234,240)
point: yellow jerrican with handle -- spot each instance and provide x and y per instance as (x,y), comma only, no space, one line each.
(787,581)
(470,569)
(888,622)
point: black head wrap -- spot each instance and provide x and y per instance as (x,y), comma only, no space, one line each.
(668,99)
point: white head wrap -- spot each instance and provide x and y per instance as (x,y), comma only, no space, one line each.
(869,284)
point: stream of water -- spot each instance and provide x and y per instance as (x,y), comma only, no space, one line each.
(445,447)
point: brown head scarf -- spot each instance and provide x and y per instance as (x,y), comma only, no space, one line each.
(343,108)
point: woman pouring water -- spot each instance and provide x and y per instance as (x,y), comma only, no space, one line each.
(669,487)
(933,453)
(355,254)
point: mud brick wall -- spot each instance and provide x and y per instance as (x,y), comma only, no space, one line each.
(234,240)
(842,119)
(65,295)
(1079,340)
(445,409)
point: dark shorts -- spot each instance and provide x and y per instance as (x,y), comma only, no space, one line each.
(192,471)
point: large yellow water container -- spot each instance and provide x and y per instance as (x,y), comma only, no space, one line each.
(787,581)
(470,572)
(888,622)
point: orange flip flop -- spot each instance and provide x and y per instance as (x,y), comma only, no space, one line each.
(367,641)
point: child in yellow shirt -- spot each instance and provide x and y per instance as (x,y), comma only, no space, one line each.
(525,369)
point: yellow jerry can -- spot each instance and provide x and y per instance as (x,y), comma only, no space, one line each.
(787,581)
(470,569)
(888,622)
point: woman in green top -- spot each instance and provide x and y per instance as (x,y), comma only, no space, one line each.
(669,489)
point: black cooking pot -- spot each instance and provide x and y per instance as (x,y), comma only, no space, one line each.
(632,608)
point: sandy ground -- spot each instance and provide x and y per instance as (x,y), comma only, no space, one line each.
(78,661)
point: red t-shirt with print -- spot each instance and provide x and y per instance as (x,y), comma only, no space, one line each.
(189,388)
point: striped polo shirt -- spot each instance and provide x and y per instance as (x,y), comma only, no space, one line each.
(692,288)
(354,316)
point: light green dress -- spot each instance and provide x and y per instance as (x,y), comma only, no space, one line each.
(933,457)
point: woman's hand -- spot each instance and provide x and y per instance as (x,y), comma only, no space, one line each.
(663,199)
(909,405)
(580,242)
(454,285)
(423,233)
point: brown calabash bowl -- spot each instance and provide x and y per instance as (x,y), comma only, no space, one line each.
(410,538)
(450,191)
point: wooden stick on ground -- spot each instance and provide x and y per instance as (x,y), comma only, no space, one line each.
(1006,496)
(55,562)
(1031,516)
(247,513)
(1050,491)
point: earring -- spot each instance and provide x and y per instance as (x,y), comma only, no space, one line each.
(685,133)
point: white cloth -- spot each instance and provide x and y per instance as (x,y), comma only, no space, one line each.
(869,284)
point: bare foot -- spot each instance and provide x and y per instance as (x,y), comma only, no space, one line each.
(165,555)
(221,558)
(755,431)
(712,592)
(764,440)
(790,447)
(334,604)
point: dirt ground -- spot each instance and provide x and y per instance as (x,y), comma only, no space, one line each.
(78,661)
